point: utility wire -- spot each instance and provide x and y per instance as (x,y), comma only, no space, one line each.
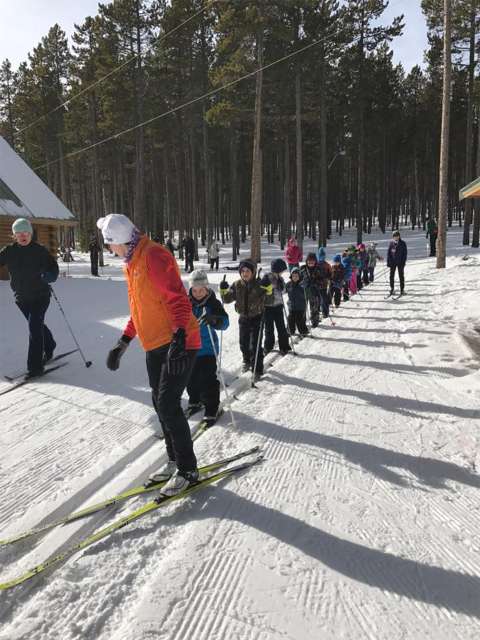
(208,94)
(114,71)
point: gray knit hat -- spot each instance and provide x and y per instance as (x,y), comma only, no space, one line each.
(22,225)
(198,278)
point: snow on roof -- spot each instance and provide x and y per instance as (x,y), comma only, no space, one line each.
(23,193)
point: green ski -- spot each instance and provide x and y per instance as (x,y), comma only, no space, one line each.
(126,520)
(125,495)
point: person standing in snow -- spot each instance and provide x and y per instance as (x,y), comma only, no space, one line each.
(323,280)
(32,269)
(396,260)
(432,233)
(203,387)
(275,311)
(161,316)
(347,265)
(213,254)
(310,282)
(373,256)
(250,296)
(362,275)
(188,245)
(297,304)
(293,254)
(94,248)
(337,280)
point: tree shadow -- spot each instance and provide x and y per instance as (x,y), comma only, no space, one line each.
(387,366)
(400,332)
(409,407)
(418,581)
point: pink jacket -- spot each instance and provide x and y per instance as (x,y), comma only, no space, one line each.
(293,253)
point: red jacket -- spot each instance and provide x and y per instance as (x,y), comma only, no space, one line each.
(293,253)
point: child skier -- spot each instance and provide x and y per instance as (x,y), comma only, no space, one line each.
(275,311)
(362,275)
(373,256)
(297,304)
(250,295)
(338,278)
(347,265)
(324,276)
(293,254)
(310,282)
(203,388)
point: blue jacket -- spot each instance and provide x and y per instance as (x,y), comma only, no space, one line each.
(347,265)
(397,254)
(210,305)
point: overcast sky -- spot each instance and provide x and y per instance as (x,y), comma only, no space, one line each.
(24,22)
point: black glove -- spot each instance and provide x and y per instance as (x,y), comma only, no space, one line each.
(114,356)
(177,358)
(224,285)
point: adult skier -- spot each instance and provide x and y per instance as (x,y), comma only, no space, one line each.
(188,245)
(32,268)
(396,260)
(94,248)
(161,316)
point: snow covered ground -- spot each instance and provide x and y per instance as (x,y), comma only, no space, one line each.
(362,522)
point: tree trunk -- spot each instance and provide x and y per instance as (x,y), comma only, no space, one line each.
(139,204)
(257,164)
(299,157)
(445,133)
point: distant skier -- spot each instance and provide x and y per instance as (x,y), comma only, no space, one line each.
(432,233)
(161,316)
(203,387)
(337,280)
(362,274)
(396,260)
(188,245)
(250,296)
(373,256)
(94,248)
(293,254)
(310,282)
(32,269)
(324,276)
(213,254)
(170,246)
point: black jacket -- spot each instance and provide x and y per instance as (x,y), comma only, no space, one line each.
(397,254)
(26,266)
(296,296)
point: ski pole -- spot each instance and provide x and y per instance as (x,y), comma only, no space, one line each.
(259,339)
(221,335)
(290,337)
(88,363)
(222,379)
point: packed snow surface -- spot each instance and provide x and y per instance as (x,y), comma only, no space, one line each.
(363,521)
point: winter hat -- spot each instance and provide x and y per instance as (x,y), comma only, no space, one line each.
(321,254)
(297,271)
(22,225)
(278,265)
(311,256)
(248,263)
(337,258)
(198,278)
(116,228)
(361,246)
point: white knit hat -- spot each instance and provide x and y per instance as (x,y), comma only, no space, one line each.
(116,228)
(198,278)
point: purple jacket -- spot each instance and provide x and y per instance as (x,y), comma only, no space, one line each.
(397,254)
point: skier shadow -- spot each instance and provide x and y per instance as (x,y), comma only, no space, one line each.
(411,579)
(408,407)
(386,366)
(404,331)
(369,343)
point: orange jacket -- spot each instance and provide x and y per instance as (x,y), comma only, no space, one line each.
(159,304)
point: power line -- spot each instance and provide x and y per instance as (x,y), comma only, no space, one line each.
(113,71)
(208,94)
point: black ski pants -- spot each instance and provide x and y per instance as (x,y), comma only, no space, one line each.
(336,295)
(204,386)
(371,274)
(167,392)
(275,317)
(189,267)
(250,336)
(401,277)
(297,321)
(324,302)
(214,262)
(433,245)
(40,339)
